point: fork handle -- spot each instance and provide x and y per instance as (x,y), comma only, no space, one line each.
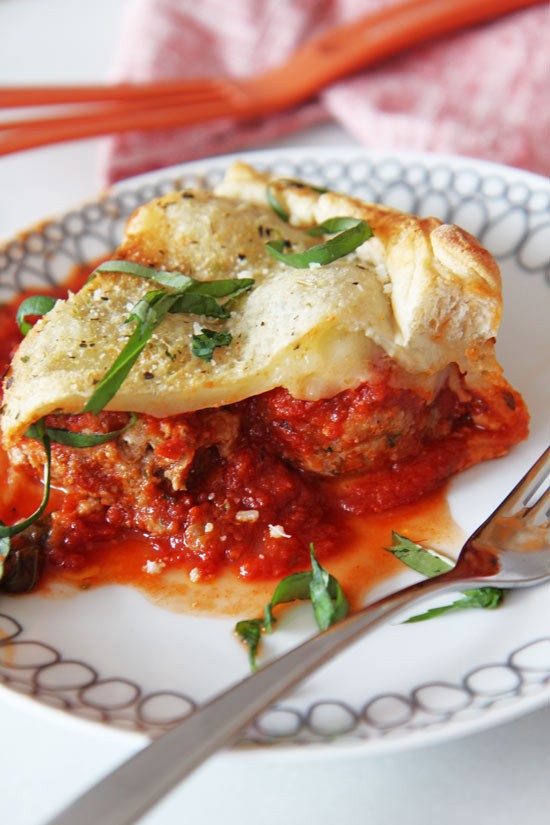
(130,790)
(384,33)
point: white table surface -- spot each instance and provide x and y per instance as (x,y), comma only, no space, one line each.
(499,775)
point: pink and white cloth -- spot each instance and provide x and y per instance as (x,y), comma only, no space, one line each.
(484,92)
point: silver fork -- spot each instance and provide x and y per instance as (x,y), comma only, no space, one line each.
(511,549)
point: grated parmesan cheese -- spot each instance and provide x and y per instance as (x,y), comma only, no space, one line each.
(247,515)
(153,567)
(276,531)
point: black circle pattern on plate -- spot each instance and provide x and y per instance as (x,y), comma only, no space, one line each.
(513,221)
(34,668)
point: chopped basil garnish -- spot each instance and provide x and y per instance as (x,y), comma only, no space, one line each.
(327,597)
(226,288)
(249,631)
(351,233)
(201,297)
(174,280)
(417,557)
(147,314)
(79,440)
(482,597)
(204,343)
(7,532)
(276,205)
(36,305)
(206,305)
(316,585)
(427,563)
(187,296)
(290,589)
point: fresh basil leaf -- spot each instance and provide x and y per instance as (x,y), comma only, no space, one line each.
(78,440)
(151,309)
(174,280)
(204,343)
(316,585)
(355,233)
(333,226)
(276,205)
(196,304)
(427,563)
(487,598)
(292,588)
(249,631)
(178,281)
(431,613)
(417,557)
(295,587)
(190,296)
(12,530)
(327,597)
(35,305)
(200,298)
(148,313)
(225,287)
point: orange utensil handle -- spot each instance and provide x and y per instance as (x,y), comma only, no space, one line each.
(387,32)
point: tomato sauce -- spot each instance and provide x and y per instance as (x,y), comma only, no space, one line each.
(361,564)
(241,524)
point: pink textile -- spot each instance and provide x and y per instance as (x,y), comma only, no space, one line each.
(483,92)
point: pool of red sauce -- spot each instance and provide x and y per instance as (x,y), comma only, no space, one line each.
(350,546)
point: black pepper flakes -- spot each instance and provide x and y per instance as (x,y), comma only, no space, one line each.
(264,231)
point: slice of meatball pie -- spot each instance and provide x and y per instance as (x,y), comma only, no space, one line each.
(343,339)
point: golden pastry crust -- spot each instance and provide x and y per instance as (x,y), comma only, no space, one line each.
(424,294)
(435,269)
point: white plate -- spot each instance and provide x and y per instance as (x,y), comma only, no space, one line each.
(109,655)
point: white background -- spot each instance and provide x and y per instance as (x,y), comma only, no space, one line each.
(46,758)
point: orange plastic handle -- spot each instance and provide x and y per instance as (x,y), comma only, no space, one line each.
(387,32)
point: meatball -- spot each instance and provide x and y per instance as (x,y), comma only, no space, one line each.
(366,428)
(142,471)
